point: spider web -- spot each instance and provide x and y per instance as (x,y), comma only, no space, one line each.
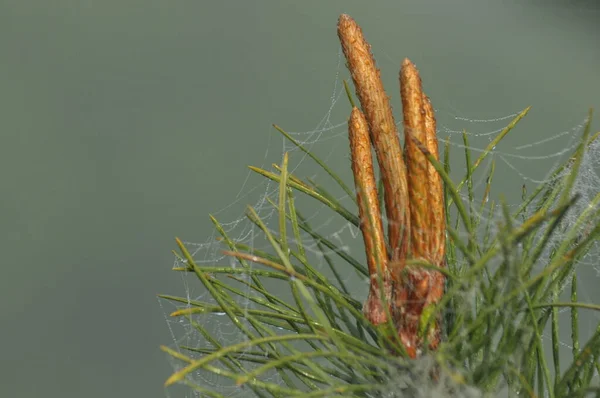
(519,164)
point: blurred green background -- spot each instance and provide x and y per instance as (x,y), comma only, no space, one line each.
(124,123)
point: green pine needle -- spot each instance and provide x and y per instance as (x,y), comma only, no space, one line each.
(505,279)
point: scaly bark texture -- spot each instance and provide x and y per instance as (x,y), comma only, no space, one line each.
(413,194)
(370,219)
(384,134)
(420,287)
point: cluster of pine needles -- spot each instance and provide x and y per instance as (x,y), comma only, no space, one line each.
(504,280)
